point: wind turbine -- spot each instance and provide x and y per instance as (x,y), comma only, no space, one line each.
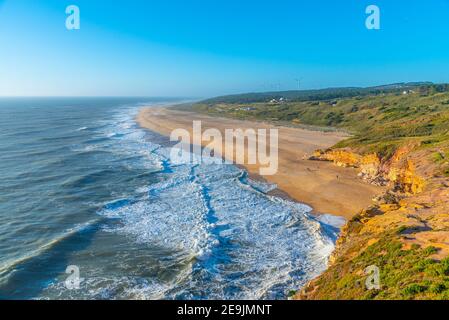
(298,80)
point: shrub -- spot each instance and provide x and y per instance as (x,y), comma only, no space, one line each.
(414,289)
(437,288)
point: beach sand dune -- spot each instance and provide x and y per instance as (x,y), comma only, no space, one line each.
(322,185)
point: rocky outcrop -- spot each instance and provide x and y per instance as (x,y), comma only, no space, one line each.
(406,180)
(341,157)
(397,171)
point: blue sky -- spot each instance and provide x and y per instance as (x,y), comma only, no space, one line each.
(204,48)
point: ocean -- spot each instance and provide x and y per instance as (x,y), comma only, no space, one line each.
(81,184)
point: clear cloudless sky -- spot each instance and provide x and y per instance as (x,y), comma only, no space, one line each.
(201,48)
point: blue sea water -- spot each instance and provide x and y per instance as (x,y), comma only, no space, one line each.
(81,184)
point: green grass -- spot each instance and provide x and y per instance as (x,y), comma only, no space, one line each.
(404,274)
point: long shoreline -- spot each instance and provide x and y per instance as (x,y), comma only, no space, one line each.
(328,189)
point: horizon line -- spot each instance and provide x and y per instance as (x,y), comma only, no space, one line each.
(221,95)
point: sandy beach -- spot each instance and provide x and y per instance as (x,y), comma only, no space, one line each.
(322,185)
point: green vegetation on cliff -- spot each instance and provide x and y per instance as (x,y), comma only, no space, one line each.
(404,273)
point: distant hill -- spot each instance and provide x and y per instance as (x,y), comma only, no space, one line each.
(320,94)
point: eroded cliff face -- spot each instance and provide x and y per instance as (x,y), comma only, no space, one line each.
(399,170)
(405,233)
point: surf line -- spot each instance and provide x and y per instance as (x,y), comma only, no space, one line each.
(240,146)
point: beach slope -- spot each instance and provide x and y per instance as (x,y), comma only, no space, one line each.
(322,185)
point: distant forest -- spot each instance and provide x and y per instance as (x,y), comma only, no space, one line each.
(329,93)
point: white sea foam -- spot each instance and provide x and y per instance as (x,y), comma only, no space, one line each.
(332,220)
(245,243)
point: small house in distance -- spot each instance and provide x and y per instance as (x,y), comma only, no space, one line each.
(280,100)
